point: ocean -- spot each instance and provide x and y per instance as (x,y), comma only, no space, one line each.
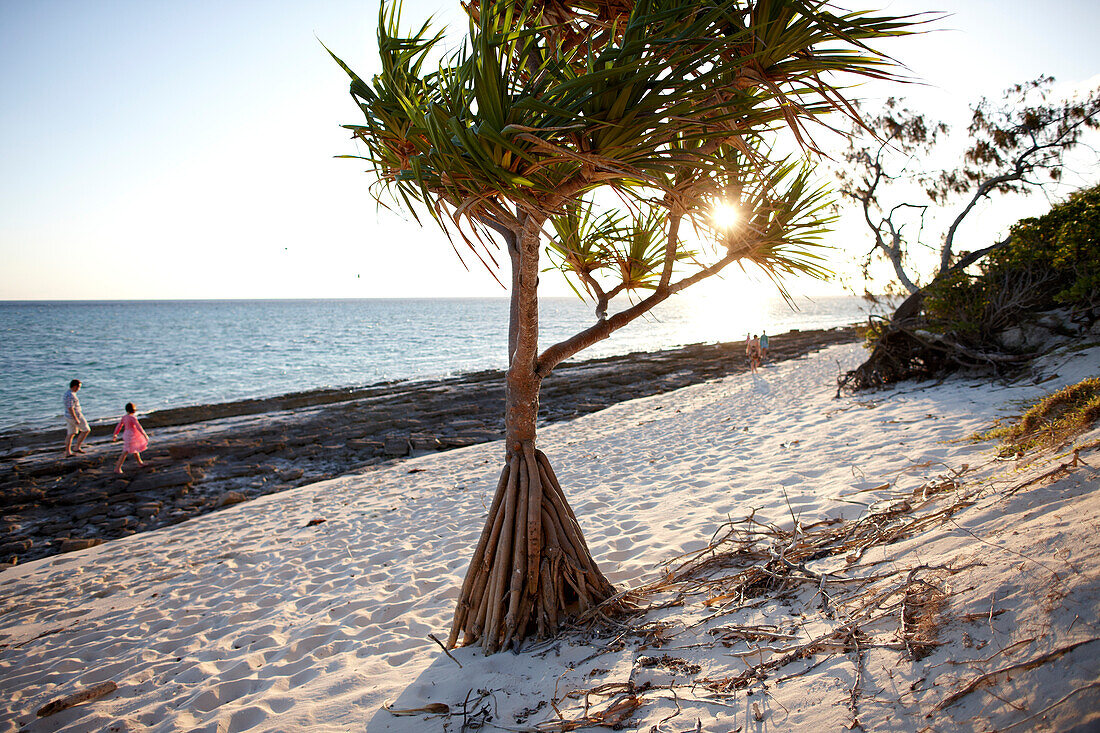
(161,354)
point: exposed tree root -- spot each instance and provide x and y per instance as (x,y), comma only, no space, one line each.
(904,351)
(532,568)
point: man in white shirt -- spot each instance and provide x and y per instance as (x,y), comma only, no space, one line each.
(75,424)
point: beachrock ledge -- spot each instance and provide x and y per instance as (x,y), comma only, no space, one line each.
(207,457)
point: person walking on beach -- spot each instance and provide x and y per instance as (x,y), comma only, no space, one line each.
(75,424)
(134,438)
(763,345)
(752,351)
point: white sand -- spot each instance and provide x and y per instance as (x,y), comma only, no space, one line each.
(246,619)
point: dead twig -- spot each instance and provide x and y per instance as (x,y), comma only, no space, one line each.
(444,648)
(1013,552)
(1056,703)
(984,679)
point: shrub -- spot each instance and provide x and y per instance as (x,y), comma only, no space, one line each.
(1065,241)
(1050,261)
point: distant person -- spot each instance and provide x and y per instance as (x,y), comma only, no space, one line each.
(752,350)
(763,345)
(134,438)
(75,424)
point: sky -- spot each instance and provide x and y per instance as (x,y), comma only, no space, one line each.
(188,150)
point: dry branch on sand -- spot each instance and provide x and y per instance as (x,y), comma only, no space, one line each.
(87,694)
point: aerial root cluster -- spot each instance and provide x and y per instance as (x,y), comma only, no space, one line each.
(532,568)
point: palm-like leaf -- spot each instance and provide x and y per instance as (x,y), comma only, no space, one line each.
(669,101)
(580,239)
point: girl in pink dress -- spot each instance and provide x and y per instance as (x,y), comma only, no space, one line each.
(134,439)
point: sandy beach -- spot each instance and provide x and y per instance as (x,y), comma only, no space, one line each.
(950,589)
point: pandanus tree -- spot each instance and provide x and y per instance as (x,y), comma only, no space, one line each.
(603,133)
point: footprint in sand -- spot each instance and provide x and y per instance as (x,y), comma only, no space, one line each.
(399,658)
(220,694)
(248,718)
(750,491)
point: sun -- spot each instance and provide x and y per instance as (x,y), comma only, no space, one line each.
(725,215)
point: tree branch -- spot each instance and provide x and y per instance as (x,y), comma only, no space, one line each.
(562,350)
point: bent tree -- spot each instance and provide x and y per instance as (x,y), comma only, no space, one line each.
(1016,146)
(603,133)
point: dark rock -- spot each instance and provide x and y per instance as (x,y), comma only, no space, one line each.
(16,548)
(396,447)
(73,544)
(148,510)
(189,450)
(89,510)
(80,497)
(290,474)
(466,425)
(459,441)
(239,470)
(20,495)
(230,498)
(166,479)
(425,442)
(362,444)
(404,423)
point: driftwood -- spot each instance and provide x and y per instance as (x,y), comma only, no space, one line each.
(532,567)
(89,693)
(432,708)
(904,350)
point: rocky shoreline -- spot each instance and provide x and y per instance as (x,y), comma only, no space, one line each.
(207,457)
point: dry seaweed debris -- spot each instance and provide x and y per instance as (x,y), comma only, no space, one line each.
(749,562)
(615,703)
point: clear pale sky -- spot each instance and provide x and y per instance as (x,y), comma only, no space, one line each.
(186,150)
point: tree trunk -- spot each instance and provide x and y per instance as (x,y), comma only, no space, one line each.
(532,567)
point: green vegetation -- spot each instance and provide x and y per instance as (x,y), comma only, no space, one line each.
(1065,242)
(1049,262)
(995,319)
(1054,420)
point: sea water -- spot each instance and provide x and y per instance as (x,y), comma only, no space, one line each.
(161,354)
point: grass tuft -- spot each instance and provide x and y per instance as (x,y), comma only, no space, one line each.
(1054,420)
